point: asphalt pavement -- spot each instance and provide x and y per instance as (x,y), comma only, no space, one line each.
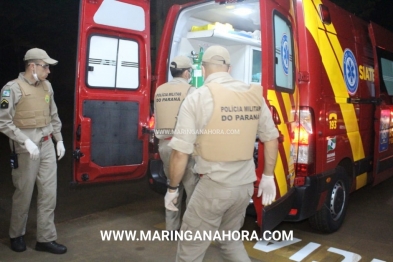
(84,213)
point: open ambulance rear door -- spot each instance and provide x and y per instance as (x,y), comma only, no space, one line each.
(239,26)
(112,91)
(382,41)
(278,40)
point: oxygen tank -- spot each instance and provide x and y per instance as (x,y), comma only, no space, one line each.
(196,72)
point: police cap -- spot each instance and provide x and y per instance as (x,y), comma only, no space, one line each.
(39,54)
(217,55)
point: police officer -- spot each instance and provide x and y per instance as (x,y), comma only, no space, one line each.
(167,100)
(229,114)
(28,116)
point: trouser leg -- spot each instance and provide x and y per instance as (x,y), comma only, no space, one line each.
(196,219)
(46,199)
(165,155)
(188,183)
(172,218)
(23,178)
(233,220)
(211,208)
(190,179)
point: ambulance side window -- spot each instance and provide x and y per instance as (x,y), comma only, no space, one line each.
(387,74)
(283,54)
(112,63)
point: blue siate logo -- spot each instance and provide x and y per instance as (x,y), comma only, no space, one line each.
(285,53)
(351,74)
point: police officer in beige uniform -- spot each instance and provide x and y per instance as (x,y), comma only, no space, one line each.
(167,100)
(232,113)
(28,116)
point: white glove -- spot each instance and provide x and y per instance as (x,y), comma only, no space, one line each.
(171,200)
(33,149)
(60,149)
(268,188)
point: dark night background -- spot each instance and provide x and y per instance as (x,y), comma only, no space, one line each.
(53,25)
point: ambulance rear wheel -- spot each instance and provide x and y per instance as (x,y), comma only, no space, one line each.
(331,216)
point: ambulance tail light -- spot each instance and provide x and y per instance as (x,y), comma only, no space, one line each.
(303,139)
(151,124)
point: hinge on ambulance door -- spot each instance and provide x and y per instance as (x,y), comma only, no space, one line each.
(77,154)
(78,133)
(275,115)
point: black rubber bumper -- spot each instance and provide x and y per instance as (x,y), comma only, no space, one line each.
(303,200)
(277,211)
(308,196)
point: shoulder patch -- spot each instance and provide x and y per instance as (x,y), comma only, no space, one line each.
(4,104)
(5,93)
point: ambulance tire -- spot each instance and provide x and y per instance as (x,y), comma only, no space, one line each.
(331,216)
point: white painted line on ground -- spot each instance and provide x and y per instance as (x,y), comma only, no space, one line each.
(304,252)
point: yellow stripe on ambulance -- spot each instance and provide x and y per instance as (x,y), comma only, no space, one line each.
(331,49)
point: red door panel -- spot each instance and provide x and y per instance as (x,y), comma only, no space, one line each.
(112,91)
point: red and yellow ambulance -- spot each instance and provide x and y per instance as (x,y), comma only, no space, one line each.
(327,77)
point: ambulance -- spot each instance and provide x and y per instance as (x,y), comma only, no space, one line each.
(327,77)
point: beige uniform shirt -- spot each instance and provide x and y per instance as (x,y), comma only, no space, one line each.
(194,115)
(176,80)
(12,94)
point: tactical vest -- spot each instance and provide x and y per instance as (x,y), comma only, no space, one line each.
(231,131)
(33,109)
(168,99)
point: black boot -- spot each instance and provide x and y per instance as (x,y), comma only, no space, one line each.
(18,244)
(51,247)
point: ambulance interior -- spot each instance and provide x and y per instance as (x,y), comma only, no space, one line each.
(235,26)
